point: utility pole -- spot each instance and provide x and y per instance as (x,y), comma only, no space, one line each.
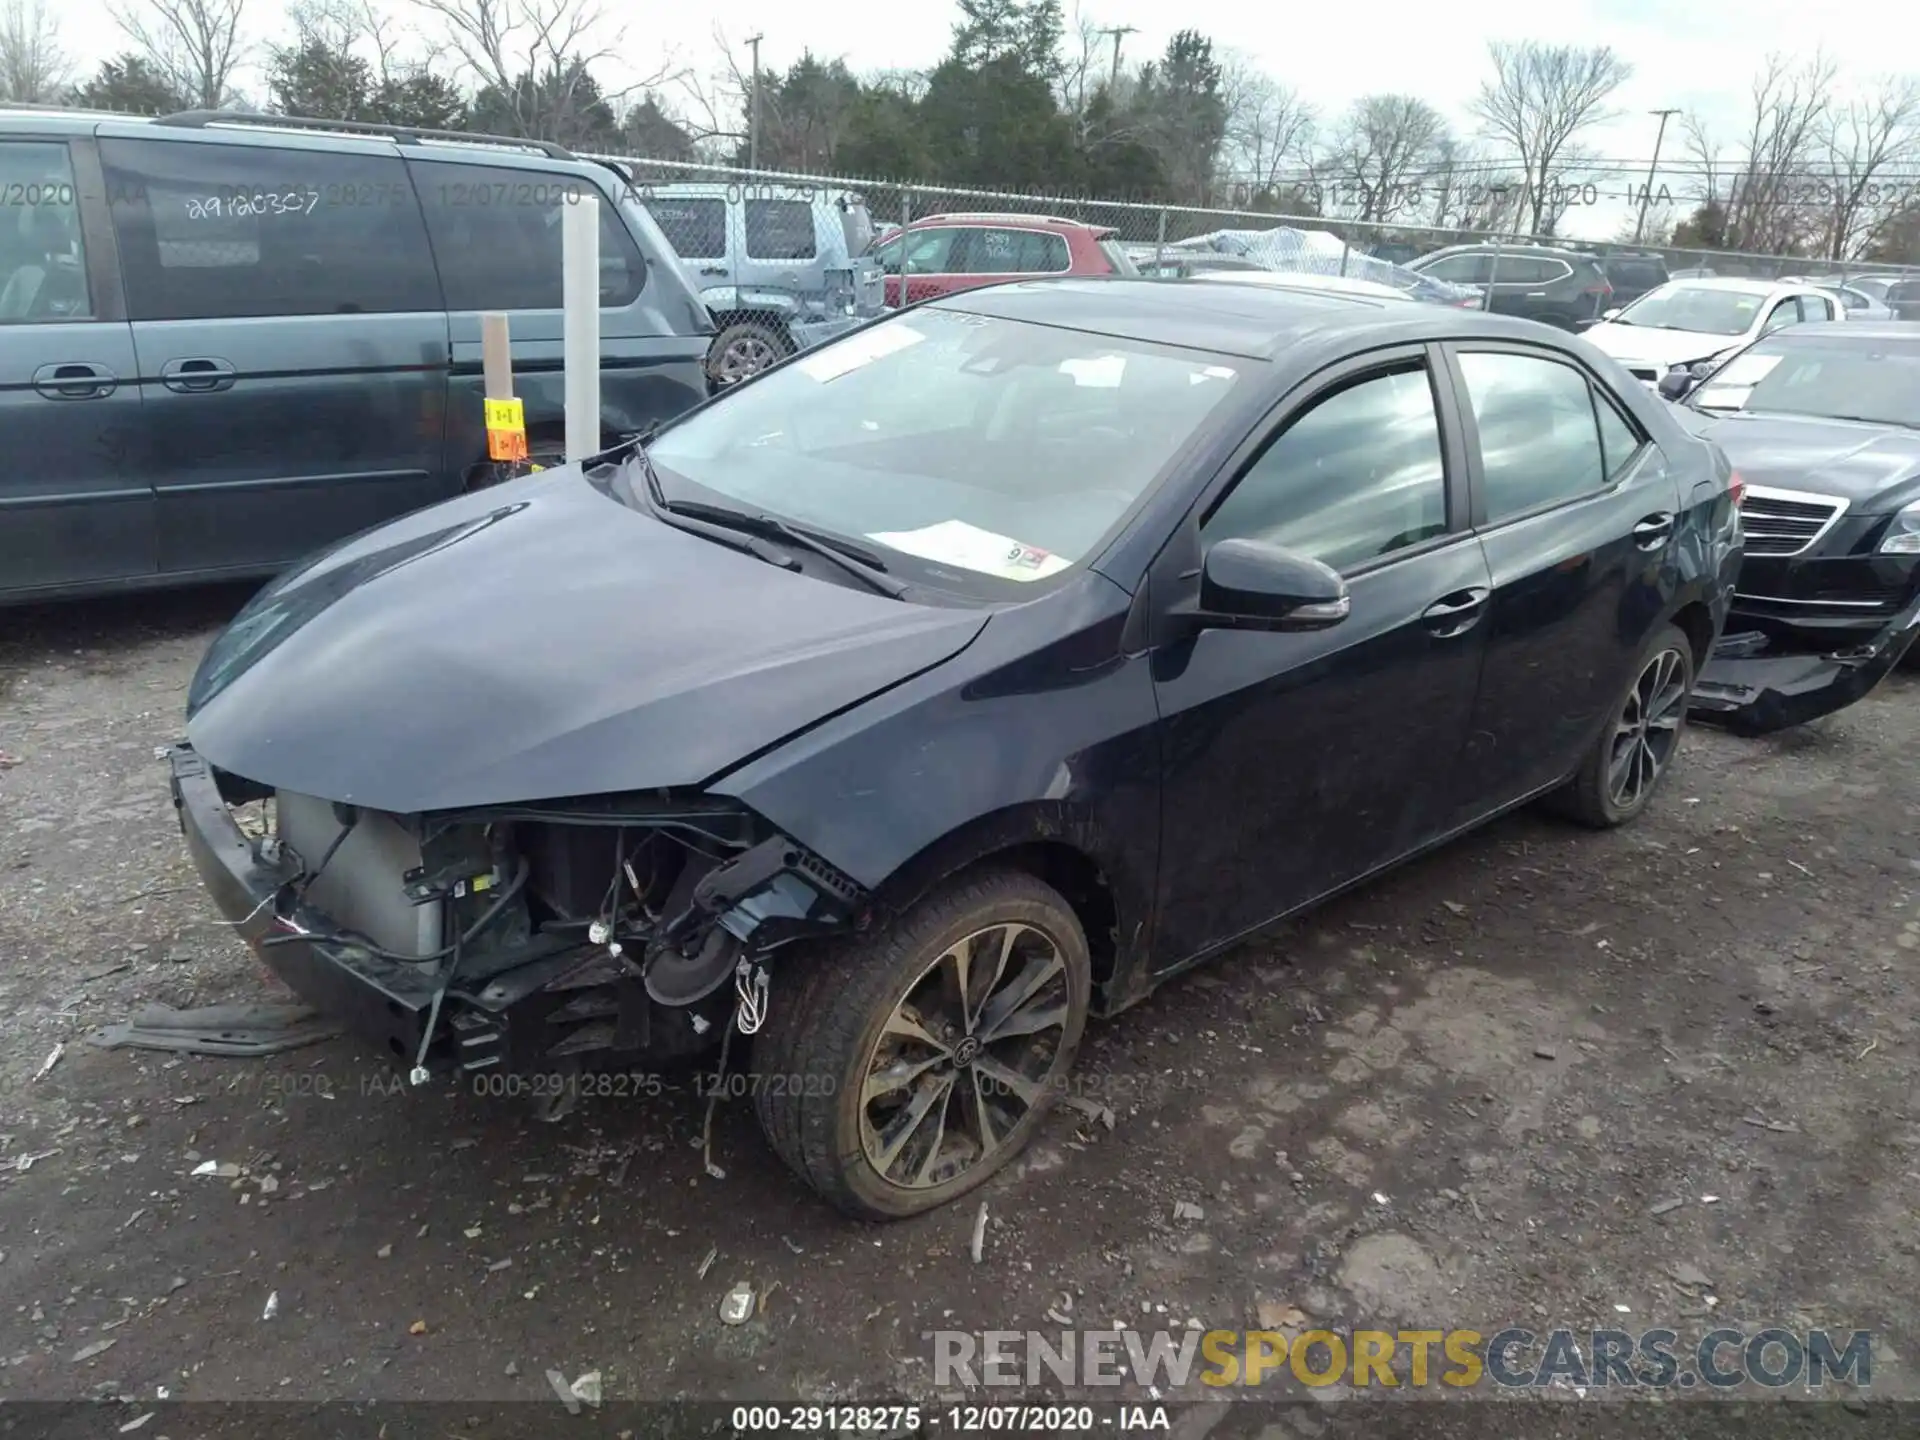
(753,116)
(1646,195)
(1116,31)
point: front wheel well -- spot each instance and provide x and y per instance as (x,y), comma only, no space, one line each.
(1080,882)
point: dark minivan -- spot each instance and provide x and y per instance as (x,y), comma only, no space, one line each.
(227,341)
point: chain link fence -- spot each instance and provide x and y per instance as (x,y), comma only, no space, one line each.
(713,212)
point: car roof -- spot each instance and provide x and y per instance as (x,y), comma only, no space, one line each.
(1011,218)
(1301,280)
(1852,330)
(759,190)
(1487,247)
(1256,322)
(1740,284)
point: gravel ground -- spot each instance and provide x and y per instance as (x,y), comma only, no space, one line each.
(1496,1088)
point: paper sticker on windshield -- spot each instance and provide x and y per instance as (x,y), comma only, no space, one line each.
(955,542)
(1103,372)
(1747,370)
(861,348)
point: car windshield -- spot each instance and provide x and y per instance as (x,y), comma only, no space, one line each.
(1877,381)
(1702,309)
(992,453)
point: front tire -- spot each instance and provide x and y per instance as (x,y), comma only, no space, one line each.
(1633,754)
(903,1069)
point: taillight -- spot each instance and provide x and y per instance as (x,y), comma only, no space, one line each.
(1737,488)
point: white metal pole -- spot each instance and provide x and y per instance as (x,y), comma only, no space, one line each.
(580,295)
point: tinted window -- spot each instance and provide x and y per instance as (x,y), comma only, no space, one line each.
(1525,270)
(929,252)
(1016,252)
(1539,442)
(1639,274)
(697,229)
(496,234)
(43,267)
(1810,374)
(214,230)
(780,230)
(1460,269)
(1619,441)
(1357,476)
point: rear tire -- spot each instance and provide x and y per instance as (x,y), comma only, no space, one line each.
(884,1089)
(742,350)
(1633,754)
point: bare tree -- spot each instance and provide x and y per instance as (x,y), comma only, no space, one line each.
(1083,62)
(1270,130)
(34,69)
(1766,206)
(197,45)
(1471,192)
(1864,140)
(1540,99)
(1382,156)
(536,56)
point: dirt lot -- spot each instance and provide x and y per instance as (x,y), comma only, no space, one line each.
(1468,1096)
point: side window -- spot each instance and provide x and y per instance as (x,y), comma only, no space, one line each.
(1018,252)
(1460,269)
(928,252)
(43,267)
(1787,312)
(1619,441)
(496,234)
(780,230)
(1357,476)
(697,229)
(1539,442)
(216,230)
(1853,300)
(1816,308)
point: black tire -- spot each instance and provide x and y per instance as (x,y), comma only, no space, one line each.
(743,349)
(1594,796)
(828,1018)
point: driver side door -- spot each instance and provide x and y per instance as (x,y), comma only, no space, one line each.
(1297,763)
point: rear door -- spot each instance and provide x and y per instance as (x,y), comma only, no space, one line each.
(290,339)
(75,503)
(930,259)
(1575,509)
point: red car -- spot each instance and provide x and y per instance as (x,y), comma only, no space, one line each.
(945,253)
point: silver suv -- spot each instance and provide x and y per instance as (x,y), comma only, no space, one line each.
(780,267)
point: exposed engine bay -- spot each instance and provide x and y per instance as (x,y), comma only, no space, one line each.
(621,931)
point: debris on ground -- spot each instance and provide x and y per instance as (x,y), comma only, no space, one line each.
(1690,1277)
(53,1059)
(1666,1206)
(565,1391)
(136,1423)
(513,1368)
(1545,1052)
(1273,1315)
(713,1254)
(736,1306)
(1782,1126)
(98,1347)
(1187,1210)
(1092,1109)
(587,1388)
(418,1327)
(32,1158)
(384,1252)
(219,1170)
(273,1306)
(235,1031)
(978,1248)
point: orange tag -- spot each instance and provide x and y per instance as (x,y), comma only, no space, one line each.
(506,444)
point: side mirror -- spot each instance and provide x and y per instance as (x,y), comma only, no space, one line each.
(1675,384)
(1265,587)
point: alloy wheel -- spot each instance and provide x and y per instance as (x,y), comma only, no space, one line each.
(746,356)
(1648,729)
(964,1056)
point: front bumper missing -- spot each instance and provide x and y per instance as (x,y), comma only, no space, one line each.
(1751,686)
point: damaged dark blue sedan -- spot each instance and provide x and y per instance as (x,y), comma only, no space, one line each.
(946,685)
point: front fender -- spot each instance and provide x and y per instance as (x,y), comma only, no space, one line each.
(1018,740)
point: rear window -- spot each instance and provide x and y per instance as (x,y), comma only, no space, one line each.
(856,224)
(780,230)
(1636,272)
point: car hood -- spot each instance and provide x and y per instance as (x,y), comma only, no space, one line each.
(1871,467)
(540,640)
(1657,347)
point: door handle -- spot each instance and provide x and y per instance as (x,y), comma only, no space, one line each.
(1536,294)
(1456,613)
(75,380)
(196,375)
(713,269)
(1654,531)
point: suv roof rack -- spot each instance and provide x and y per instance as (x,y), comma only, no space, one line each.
(401,134)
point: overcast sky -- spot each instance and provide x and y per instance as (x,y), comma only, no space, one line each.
(1690,53)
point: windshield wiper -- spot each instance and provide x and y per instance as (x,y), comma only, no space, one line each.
(1877,420)
(655,502)
(863,565)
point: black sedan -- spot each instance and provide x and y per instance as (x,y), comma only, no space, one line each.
(1822,422)
(945,685)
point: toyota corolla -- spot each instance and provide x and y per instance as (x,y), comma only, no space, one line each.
(947,685)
